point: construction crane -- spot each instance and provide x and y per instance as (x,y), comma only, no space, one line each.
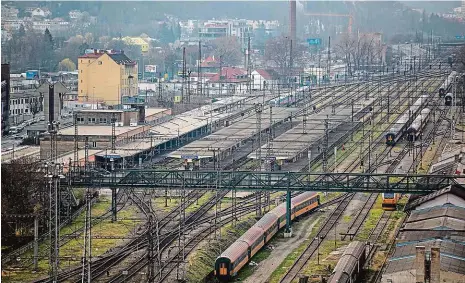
(349,28)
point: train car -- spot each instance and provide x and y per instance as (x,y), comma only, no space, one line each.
(304,203)
(390,201)
(350,266)
(417,126)
(448,99)
(400,127)
(231,260)
(241,251)
(447,83)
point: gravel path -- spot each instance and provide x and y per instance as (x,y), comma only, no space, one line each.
(282,248)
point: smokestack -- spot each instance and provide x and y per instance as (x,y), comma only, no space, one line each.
(435,265)
(420,264)
(292,19)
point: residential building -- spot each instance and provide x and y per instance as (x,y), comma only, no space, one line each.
(241,30)
(138,41)
(210,65)
(75,14)
(5,98)
(23,105)
(229,81)
(12,24)
(213,29)
(9,12)
(106,76)
(264,79)
(41,12)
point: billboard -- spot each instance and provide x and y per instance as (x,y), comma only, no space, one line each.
(150,68)
(314,41)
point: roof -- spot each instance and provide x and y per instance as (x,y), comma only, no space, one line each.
(91,55)
(441,226)
(230,74)
(121,58)
(453,189)
(90,130)
(452,255)
(268,74)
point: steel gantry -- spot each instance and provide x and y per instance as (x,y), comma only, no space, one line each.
(272,181)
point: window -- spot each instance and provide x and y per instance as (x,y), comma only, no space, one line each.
(80,120)
(89,61)
(94,144)
(81,71)
(81,90)
(81,81)
(22,101)
(91,120)
(27,100)
(103,120)
(100,62)
(26,110)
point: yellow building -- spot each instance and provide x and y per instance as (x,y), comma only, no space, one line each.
(139,41)
(106,76)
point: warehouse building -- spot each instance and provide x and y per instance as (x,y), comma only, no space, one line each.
(431,244)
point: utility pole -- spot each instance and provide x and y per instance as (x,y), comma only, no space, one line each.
(325,145)
(87,252)
(249,69)
(183,73)
(258,112)
(199,71)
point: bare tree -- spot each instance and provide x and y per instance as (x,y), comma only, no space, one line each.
(229,49)
(277,53)
(22,193)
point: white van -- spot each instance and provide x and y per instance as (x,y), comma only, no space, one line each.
(14,130)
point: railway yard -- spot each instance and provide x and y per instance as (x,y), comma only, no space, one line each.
(145,219)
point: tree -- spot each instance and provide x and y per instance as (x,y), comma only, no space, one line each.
(22,193)
(67,65)
(229,49)
(48,51)
(277,52)
(89,38)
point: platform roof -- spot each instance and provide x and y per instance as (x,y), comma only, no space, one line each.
(299,139)
(227,138)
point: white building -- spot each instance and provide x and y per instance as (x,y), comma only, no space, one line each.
(75,14)
(9,12)
(264,79)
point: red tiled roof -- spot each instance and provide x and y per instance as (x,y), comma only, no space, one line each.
(264,74)
(230,74)
(91,55)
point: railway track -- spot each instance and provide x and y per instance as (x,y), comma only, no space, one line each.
(302,260)
(327,226)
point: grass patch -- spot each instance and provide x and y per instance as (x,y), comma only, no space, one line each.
(72,250)
(292,257)
(325,265)
(202,261)
(370,222)
(248,270)
(201,201)
(159,203)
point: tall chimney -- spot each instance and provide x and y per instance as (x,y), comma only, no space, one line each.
(420,264)
(292,20)
(435,265)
